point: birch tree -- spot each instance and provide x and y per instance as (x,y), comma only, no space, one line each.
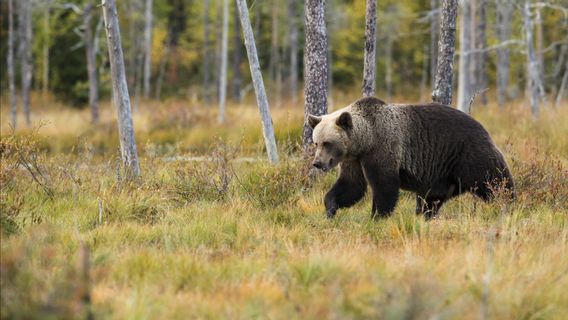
(206,57)
(237,57)
(91,63)
(442,92)
(563,86)
(293,21)
(369,67)
(504,18)
(533,74)
(258,83)
(434,29)
(26,36)
(315,65)
(10,65)
(481,55)
(121,98)
(46,45)
(224,57)
(148,24)
(464,72)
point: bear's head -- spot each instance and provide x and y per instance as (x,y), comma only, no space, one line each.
(331,137)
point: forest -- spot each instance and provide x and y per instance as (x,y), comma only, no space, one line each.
(157,159)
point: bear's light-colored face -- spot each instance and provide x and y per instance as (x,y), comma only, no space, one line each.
(330,138)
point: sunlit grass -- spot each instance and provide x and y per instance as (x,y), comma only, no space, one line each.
(234,238)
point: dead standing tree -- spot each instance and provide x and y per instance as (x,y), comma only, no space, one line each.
(91,63)
(121,99)
(504,20)
(534,83)
(10,65)
(261,99)
(293,21)
(224,58)
(369,68)
(148,48)
(464,73)
(442,92)
(315,65)
(25,26)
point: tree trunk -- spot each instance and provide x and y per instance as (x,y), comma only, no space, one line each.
(237,57)
(206,53)
(369,68)
(504,17)
(25,25)
(261,99)
(434,29)
(162,70)
(45,49)
(316,66)
(148,49)
(275,56)
(10,65)
(481,55)
(539,43)
(219,47)
(442,92)
(388,66)
(224,57)
(563,86)
(464,74)
(121,98)
(533,77)
(293,21)
(91,63)
(424,78)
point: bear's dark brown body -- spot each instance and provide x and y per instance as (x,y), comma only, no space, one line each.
(436,151)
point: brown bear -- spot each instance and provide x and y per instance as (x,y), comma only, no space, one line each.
(434,150)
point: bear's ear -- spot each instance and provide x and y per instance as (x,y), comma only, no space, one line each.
(313,120)
(344,121)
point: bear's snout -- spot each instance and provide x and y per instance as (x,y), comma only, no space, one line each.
(320,165)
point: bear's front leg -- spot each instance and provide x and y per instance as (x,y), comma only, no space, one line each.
(349,188)
(385,185)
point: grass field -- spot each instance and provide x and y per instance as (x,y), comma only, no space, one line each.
(211,230)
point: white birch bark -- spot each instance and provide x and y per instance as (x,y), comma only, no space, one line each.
(46,45)
(434,29)
(504,20)
(148,48)
(121,98)
(91,63)
(533,75)
(10,66)
(293,11)
(224,62)
(206,53)
(261,99)
(464,72)
(563,86)
(25,25)
(369,68)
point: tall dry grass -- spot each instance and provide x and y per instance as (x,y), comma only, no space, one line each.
(213,231)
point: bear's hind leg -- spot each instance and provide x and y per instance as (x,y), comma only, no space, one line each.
(347,190)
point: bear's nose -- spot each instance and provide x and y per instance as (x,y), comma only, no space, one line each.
(317,164)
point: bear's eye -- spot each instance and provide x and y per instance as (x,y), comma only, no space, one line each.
(326,144)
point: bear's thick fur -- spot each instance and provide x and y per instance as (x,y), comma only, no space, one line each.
(436,151)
